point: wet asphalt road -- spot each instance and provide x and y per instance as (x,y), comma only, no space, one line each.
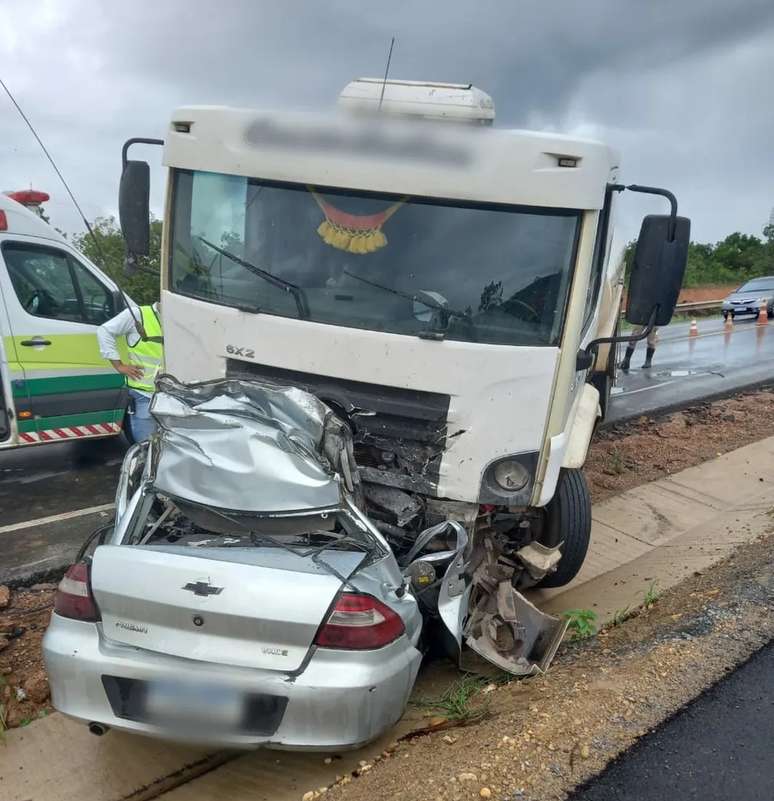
(686,368)
(58,479)
(719,747)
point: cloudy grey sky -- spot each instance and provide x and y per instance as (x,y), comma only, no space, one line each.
(683,88)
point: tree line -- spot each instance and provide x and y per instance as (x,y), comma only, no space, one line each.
(733,260)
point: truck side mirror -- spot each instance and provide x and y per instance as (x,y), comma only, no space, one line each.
(659,265)
(134,207)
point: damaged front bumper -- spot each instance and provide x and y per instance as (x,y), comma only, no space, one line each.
(477,602)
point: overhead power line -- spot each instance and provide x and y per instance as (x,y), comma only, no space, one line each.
(56,170)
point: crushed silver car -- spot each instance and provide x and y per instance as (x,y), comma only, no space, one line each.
(241,597)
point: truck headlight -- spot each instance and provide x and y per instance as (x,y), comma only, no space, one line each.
(511,476)
(509,480)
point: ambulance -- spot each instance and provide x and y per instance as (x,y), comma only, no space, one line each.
(54,385)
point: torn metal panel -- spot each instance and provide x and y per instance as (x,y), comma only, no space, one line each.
(272,448)
(440,572)
(512,633)
(503,626)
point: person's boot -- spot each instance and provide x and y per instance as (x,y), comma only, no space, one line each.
(626,362)
(648,358)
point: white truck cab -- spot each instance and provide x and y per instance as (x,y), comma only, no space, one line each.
(443,287)
(54,385)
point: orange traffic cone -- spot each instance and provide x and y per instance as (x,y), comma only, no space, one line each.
(763,317)
(693,331)
(729,323)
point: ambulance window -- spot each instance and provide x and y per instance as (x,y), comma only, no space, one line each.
(97,300)
(44,280)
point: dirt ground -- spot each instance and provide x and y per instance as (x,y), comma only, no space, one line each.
(620,458)
(624,456)
(699,294)
(24,616)
(541,737)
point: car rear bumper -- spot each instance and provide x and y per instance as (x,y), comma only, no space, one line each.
(341,699)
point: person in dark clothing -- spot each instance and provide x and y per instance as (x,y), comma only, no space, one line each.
(651,343)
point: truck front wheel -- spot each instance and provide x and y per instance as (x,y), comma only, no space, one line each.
(568,521)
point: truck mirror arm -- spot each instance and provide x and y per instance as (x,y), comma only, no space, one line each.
(137,140)
(585,357)
(653,190)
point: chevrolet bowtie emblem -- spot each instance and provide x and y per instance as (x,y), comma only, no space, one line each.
(202,588)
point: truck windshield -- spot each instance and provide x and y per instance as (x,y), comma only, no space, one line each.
(485,273)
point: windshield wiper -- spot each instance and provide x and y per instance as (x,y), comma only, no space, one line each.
(445,312)
(298,294)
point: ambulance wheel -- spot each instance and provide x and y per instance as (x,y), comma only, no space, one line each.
(568,521)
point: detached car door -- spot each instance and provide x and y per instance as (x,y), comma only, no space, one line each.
(54,310)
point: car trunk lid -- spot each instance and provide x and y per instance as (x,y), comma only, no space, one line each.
(256,608)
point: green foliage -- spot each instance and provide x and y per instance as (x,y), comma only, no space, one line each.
(142,287)
(456,703)
(734,260)
(652,594)
(581,622)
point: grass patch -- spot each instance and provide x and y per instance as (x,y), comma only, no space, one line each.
(582,623)
(652,594)
(460,702)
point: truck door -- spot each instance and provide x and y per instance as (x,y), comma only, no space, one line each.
(55,304)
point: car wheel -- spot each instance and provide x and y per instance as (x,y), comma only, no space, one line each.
(568,521)
(725,315)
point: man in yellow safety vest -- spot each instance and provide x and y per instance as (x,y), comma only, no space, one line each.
(141,326)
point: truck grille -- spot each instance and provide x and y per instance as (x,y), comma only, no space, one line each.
(399,434)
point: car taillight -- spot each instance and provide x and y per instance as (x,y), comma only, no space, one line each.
(359,622)
(73,595)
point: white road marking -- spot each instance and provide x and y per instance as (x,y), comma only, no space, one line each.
(43,521)
(635,391)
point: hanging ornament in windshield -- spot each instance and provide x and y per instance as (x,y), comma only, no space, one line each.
(354,233)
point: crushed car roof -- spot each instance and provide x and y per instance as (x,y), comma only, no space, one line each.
(249,446)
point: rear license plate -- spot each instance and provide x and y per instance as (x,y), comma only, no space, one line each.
(173,701)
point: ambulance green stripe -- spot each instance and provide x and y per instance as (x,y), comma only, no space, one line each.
(68,383)
(90,418)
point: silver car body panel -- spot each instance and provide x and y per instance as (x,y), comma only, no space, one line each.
(262,615)
(342,699)
(237,529)
(279,446)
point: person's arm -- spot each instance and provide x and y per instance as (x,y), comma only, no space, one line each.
(120,325)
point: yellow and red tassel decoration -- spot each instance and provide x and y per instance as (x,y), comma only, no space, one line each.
(353,233)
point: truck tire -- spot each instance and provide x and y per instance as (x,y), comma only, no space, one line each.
(568,520)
